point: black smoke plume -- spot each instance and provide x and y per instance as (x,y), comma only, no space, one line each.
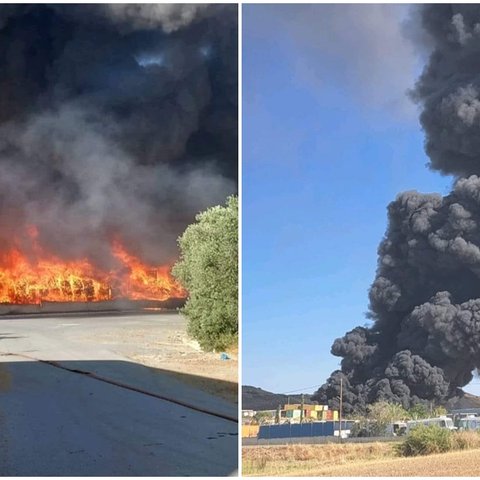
(424,342)
(116,121)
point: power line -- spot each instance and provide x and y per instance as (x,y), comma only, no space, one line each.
(320,384)
(303,388)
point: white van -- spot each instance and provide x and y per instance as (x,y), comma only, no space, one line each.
(470,422)
(442,422)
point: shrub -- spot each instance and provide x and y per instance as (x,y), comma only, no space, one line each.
(423,440)
(208,269)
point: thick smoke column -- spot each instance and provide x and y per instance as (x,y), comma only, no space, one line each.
(116,122)
(424,342)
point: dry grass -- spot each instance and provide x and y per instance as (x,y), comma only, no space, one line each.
(451,464)
(284,460)
(362,459)
(466,440)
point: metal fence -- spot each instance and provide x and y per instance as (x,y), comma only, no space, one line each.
(312,429)
(246,442)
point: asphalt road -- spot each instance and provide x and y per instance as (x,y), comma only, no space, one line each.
(55,421)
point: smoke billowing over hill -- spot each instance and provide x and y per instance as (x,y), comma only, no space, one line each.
(424,340)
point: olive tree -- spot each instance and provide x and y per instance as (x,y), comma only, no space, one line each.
(208,270)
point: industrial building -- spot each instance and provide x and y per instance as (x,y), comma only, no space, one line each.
(308,412)
(321,420)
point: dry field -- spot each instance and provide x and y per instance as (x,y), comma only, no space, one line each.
(285,460)
(355,460)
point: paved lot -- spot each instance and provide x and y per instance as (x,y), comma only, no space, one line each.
(57,422)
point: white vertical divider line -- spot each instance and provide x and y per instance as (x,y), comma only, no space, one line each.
(240,201)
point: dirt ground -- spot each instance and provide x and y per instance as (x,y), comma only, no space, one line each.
(161,341)
(367,460)
(293,460)
(452,464)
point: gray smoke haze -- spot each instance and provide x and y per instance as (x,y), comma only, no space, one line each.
(116,121)
(363,49)
(424,340)
(169,17)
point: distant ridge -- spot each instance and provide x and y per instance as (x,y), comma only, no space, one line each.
(254,398)
(463,400)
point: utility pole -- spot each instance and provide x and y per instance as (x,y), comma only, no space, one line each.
(340,411)
(301,411)
(278,414)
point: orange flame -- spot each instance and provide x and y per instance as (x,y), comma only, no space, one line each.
(48,278)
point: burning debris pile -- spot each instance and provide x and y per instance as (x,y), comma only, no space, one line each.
(54,280)
(424,342)
(118,123)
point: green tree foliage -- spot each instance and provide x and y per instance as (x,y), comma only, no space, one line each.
(419,411)
(263,418)
(208,270)
(388,412)
(378,418)
(439,411)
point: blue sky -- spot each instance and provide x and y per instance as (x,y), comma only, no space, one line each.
(323,155)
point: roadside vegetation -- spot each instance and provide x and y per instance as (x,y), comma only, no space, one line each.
(284,460)
(451,464)
(432,444)
(208,270)
(381,414)
(425,440)
(387,458)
